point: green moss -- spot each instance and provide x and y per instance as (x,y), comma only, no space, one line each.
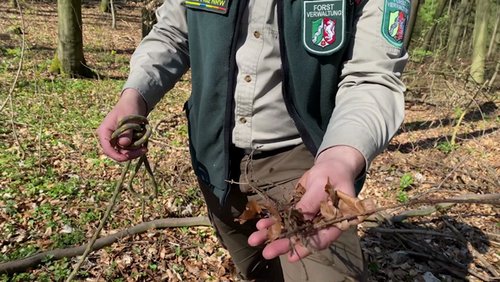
(55,65)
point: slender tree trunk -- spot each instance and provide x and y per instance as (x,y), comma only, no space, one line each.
(480,41)
(452,22)
(466,40)
(493,40)
(451,17)
(457,25)
(113,15)
(432,30)
(69,59)
(494,52)
(415,4)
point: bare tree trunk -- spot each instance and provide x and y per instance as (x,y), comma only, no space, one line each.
(480,41)
(113,16)
(432,30)
(456,26)
(451,15)
(411,23)
(69,59)
(452,22)
(493,40)
(466,40)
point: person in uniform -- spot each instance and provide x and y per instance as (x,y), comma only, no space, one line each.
(282,92)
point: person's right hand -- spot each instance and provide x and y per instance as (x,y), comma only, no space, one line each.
(130,103)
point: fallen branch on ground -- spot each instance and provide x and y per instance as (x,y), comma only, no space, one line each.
(26,263)
(423,211)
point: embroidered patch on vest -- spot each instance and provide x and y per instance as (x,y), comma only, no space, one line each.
(216,6)
(395,20)
(323,26)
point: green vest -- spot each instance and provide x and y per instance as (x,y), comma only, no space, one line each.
(310,83)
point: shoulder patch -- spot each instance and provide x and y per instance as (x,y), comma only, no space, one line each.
(323,26)
(216,6)
(395,20)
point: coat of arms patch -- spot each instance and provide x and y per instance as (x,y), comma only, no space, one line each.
(395,20)
(323,26)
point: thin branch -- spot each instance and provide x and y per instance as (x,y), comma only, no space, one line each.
(21,59)
(410,231)
(141,141)
(423,249)
(494,76)
(9,98)
(473,250)
(423,211)
(456,167)
(493,199)
(103,221)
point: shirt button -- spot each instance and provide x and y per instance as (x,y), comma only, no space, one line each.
(248,78)
(243,120)
(256,34)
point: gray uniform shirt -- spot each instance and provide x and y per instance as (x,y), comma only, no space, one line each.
(262,120)
(369,104)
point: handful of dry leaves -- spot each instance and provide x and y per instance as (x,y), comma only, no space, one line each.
(339,210)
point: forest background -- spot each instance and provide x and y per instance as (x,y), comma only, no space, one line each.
(62,66)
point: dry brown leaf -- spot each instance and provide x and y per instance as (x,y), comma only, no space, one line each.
(252,209)
(328,211)
(274,231)
(331,192)
(344,225)
(195,270)
(350,206)
(343,205)
(299,192)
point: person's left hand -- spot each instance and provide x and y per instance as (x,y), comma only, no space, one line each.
(340,165)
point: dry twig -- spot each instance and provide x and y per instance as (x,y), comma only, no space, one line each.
(10,98)
(410,231)
(473,250)
(492,199)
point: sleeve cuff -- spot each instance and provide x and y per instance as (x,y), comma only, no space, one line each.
(354,137)
(151,92)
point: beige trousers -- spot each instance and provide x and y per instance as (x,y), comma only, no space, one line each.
(277,174)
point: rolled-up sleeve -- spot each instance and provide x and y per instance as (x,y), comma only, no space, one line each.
(162,57)
(370,103)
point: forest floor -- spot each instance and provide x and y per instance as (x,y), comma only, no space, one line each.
(55,183)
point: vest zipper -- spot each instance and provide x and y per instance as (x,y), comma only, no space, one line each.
(231,86)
